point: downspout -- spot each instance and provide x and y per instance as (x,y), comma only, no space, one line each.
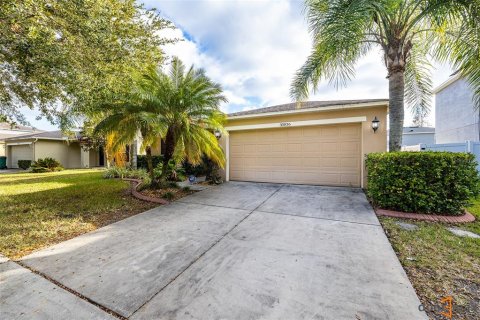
(33,147)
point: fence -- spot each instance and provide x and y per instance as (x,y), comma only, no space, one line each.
(467,146)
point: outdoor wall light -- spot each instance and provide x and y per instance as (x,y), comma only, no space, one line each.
(375,124)
(217,134)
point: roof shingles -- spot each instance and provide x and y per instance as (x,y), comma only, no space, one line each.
(304,105)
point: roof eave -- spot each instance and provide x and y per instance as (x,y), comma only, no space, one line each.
(307,110)
(447,83)
(39,138)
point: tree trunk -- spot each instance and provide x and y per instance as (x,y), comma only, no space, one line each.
(169,149)
(148,153)
(396,88)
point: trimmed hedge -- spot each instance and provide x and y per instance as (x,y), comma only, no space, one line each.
(24,164)
(422,182)
(142,161)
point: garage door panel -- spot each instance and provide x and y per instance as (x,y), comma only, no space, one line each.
(328,155)
(20,152)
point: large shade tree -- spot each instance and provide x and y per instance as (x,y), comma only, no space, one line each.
(66,57)
(409,32)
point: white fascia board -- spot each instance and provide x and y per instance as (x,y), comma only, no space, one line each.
(291,124)
(446,83)
(407,133)
(319,109)
(18,143)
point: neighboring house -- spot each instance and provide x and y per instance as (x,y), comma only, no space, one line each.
(317,142)
(8,130)
(456,119)
(417,135)
(53,144)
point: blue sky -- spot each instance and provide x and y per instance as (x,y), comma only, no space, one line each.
(253,48)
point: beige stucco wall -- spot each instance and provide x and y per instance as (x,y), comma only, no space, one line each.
(68,154)
(94,158)
(2,149)
(156,147)
(371,142)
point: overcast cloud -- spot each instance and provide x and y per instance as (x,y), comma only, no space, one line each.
(253,48)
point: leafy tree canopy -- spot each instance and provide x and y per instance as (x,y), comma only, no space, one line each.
(66,56)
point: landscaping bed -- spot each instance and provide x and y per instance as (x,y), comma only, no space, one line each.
(440,263)
(41,209)
(440,259)
(169,194)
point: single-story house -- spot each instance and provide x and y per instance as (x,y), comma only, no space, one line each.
(8,130)
(418,135)
(53,144)
(316,142)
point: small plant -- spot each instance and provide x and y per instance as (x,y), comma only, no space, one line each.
(115,172)
(174,172)
(172,184)
(46,165)
(24,164)
(186,189)
(168,195)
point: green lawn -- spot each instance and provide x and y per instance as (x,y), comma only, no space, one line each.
(441,264)
(40,209)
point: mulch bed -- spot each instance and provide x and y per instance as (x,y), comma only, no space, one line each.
(160,193)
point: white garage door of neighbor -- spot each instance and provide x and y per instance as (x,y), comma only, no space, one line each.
(21,152)
(319,155)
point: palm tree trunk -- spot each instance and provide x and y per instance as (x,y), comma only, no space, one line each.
(148,153)
(396,87)
(169,149)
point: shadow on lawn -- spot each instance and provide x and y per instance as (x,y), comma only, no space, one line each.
(33,220)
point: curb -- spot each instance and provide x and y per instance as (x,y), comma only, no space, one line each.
(134,185)
(467,217)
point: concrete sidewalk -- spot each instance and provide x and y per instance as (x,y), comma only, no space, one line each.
(240,251)
(26,295)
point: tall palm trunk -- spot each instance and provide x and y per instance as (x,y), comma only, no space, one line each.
(169,149)
(396,87)
(148,153)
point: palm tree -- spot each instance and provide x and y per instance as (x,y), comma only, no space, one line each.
(186,104)
(408,33)
(125,120)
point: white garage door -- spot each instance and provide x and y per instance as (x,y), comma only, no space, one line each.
(21,152)
(319,155)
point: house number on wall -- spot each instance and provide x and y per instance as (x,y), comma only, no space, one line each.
(285,124)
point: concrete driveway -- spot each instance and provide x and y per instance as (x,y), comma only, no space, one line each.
(237,251)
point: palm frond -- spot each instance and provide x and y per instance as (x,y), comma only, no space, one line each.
(418,83)
(340,32)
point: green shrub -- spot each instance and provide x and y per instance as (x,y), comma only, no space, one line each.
(137,174)
(142,161)
(422,182)
(46,165)
(24,164)
(120,172)
(40,170)
(174,172)
(115,172)
(168,195)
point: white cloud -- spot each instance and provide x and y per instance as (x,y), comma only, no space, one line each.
(253,48)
